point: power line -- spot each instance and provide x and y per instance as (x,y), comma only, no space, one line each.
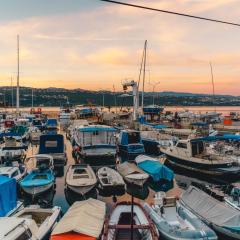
(171,12)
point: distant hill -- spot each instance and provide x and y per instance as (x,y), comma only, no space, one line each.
(59,96)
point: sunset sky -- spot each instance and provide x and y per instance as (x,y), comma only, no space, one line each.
(91,44)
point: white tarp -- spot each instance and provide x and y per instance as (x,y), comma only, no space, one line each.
(85,217)
(209,208)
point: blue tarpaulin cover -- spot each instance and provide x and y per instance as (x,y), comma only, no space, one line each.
(8,195)
(218,138)
(53,143)
(156,170)
(97,129)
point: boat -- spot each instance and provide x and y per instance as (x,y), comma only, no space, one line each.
(223,219)
(175,222)
(130,144)
(152,109)
(16,172)
(119,223)
(12,150)
(153,139)
(44,218)
(110,180)
(233,199)
(83,221)
(191,155)
(41,177)
(53,144)
(132,174)
(80,178)
(95,145)
(51,124)
(37,122)
(35,134)
(8,197)
(20,132)
(161,177)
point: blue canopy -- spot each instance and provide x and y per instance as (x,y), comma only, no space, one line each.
(52,122)
(160,126)
(8,195)
(9,134)
(199,124)
(99,129)
(86,110)
(53,143)
(156,170)
(218,138)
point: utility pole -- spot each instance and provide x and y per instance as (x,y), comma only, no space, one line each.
(17,93)
(12,90)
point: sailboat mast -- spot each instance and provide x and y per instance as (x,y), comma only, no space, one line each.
(144,71)
(213,87)
(12,91)
(17,92)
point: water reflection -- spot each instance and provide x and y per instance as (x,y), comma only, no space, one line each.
(72,197)
(45,200)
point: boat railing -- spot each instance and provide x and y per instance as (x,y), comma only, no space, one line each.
(96,140)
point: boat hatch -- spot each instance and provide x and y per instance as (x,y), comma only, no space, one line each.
(42,176)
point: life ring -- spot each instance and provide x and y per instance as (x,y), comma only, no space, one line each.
(39,110)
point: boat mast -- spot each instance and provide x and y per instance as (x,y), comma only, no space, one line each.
(32,97)
(17,92)
(213,87)
(144,71)
(12,90)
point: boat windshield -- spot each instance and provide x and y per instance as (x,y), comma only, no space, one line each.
(133,137)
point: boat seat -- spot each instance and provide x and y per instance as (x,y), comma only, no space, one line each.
(169,201)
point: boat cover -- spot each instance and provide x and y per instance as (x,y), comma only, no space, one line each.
(127,168)
(97,129)
(52,122)
(210,209)
(51,144)
(84,217)
(8,195)
(154,168)
(72,236)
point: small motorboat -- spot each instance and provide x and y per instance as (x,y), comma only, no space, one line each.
(175,222)
(16,172)
(222,218)
(118,224)
(132,174)
(83,221)
(35,134)
(45,218)
(80,178)
(110,180)
(8,197)
(233,199)
(30,223)
(41,177)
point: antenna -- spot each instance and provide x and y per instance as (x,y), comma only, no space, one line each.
(144,71)
(213,86)
(17,93)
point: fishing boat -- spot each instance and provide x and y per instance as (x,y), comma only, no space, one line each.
(8,196)
(80,178)
(132,174)
(130,144)
(129,218)
(175,222)
(83,221)
(223,219)
(16,172)
(53,144)
(44,218)
(95,145)
(41,177)
(191,155)
(110,180)
(161,177)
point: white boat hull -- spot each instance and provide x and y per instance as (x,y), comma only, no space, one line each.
(37,189)
(82,190)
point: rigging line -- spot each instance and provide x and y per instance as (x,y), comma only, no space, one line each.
(171,12)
